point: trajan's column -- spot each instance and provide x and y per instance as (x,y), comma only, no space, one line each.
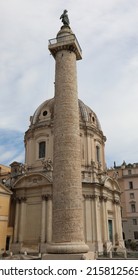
(67,223)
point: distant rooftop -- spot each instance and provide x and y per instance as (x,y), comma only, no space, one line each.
(126,165)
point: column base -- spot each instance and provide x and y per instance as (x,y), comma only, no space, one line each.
(86,256)
(67,248)
(122,244)
(43,248)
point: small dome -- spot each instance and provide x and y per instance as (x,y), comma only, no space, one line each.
(45,112)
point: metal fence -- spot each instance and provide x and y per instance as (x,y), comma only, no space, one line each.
(65,38)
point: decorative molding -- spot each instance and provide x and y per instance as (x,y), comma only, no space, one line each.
(40,136)
(110,212)
(3,218)
(47,164)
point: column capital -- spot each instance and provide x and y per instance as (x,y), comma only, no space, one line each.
(19,199)
(90,196)
(49,197)
(116,201)
(22,199)
(103,198)
(46,196)
(15,198)
(94,196)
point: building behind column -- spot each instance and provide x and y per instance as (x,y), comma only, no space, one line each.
(96,200)
(127,176)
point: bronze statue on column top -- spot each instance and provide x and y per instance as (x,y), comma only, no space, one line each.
(64,18)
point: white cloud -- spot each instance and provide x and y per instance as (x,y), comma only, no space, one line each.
(5,155)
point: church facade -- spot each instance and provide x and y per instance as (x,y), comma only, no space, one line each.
(33,188)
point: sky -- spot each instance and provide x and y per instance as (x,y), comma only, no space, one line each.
(107,31)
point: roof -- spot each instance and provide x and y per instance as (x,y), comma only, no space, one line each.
(46,112)
(4,169)
(4,190)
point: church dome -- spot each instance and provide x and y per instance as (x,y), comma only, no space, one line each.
(45,112)
(40,134)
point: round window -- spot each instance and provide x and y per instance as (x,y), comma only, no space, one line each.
(45,113)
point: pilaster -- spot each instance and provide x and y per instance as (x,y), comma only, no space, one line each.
(49,219)
(22,218)
(103,201)
(43,221)
(15,238)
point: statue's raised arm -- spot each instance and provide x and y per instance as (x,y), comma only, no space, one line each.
(64,18)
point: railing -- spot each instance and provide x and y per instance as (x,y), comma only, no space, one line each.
(130,255)
(64,39)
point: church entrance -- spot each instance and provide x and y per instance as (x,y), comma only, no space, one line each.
(33,223)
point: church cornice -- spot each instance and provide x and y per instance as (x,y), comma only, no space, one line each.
(29,134)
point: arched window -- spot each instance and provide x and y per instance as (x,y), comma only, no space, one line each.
(42,149)
(98,153)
